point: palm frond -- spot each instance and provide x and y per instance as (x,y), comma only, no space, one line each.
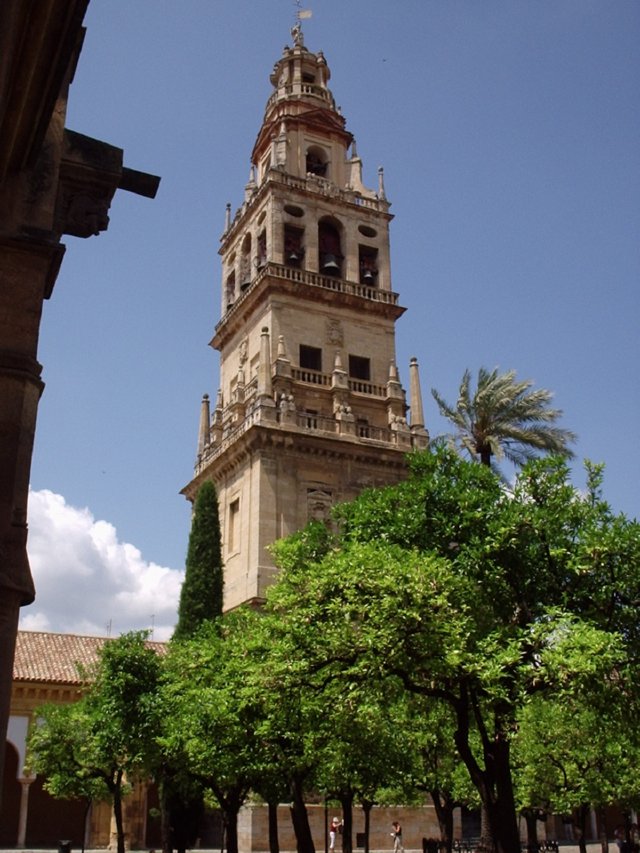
(505,418)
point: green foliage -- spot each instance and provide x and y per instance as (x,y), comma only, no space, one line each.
(576,744)
(472,595)
(201,597)
(504,418)
(211,713)
(62,749)
(122,701)
(571,753)
(454,629)
(88,749)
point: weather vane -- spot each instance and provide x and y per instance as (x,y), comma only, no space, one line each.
(296,31)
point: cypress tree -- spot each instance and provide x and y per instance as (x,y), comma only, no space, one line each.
(200,601)
(201,594)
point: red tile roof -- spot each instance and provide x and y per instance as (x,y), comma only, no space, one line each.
(56,658)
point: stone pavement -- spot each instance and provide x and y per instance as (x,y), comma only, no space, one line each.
(563,847)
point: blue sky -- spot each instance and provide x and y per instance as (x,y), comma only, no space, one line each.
(509,133)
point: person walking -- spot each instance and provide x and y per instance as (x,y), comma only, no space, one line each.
(397,837)
(333,832)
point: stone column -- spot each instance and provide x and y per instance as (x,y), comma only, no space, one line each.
(25,784)
(29,268)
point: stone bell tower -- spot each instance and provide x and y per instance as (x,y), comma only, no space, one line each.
(310,409)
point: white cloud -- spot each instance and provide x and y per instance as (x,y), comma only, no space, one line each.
(87,580)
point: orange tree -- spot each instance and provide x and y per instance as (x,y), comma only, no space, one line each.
(461,591)
(90,748)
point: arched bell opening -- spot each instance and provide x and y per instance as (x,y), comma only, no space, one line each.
(245,263)
(293,246)
(368,265)
(261,256)
(317,162)
(330,254)
(230,289)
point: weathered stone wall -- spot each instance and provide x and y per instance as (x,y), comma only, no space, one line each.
(417,823)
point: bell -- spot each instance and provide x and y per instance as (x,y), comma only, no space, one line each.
(294,256)
(330,264)
(367,275)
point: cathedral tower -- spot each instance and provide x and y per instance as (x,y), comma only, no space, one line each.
(310,409)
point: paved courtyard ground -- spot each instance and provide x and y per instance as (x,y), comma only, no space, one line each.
(563,847)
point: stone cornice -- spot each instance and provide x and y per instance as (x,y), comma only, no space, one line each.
(301,285)
(265,438)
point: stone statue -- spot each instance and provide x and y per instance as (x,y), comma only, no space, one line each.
(296,35)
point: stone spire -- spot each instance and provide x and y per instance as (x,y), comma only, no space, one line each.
(250,186)
(381,192)
(415,395)
(264,367)
(203,432)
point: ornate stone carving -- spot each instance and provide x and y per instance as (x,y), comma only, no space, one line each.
(87,214)
(319,504)
(243,349)
(335,334)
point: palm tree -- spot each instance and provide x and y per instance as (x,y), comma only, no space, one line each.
(505,419)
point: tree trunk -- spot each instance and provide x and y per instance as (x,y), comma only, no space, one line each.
(444,807)
(604,835)
(300,819)
(486,837)
(165,822)
(531,820)
(581,823)
(117,812)
(86,825)
(274,844)
(499,825)
(501,807)
(230,818)
(346,801)
(367,805)
(485,454)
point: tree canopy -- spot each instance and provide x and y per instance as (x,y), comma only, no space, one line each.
(452,631)
(202,590)
(93,747)
(504,418)
(472,595)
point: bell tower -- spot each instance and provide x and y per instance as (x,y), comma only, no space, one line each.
(310,409)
